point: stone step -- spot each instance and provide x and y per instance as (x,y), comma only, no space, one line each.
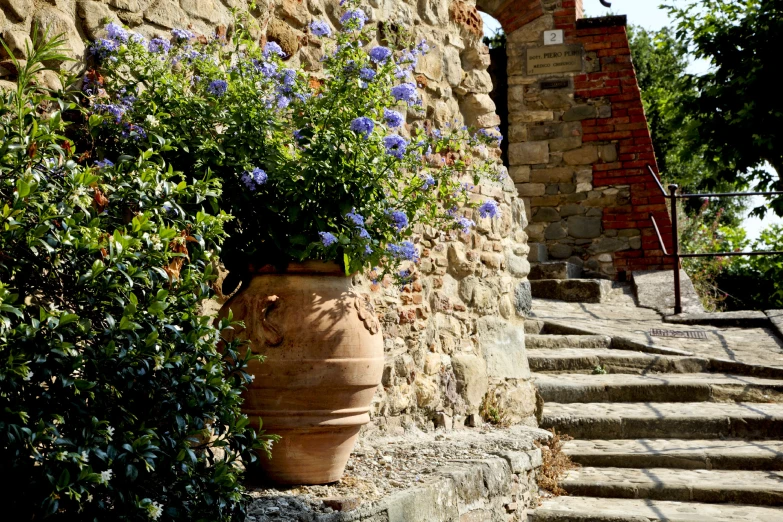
(571,290)
(676,420)
(554,270)
(761,488)
(567,341)
(683,387)
(581,360)
(675,453)
(586,509)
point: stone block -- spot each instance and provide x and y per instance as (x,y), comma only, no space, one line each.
(503,346)
(207,11)
(585,155)
(530,153)
(560,251)
(166,13)
(571,210)
(520,173)
(608,153)
(523,298)
(538,253)
(526,190)
(608,244)
(555,231)
(17,10)
(584,227)
(18,42)
(472,380)
(553,175)
(452,67)
(529,116)
(546,214)
(556,270)
(580,112)
(572,290)
(564,144)
(476,57)
(477,82)
(518,133)
(531,32)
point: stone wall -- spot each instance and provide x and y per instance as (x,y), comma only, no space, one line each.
(579,142)
(455,335)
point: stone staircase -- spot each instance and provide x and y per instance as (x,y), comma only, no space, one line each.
(569,282)
(657,437)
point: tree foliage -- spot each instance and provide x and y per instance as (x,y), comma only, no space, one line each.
(735,111)
(115,403)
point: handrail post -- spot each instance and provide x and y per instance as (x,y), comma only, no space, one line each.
(675,250)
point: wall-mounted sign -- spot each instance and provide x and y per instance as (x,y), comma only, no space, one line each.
(553,37)
(554,84)
(554,59)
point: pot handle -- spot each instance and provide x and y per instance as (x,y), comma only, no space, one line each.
(272,335)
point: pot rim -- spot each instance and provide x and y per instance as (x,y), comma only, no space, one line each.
(310,267)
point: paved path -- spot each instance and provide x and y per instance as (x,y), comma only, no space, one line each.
(620,317)
(665,429)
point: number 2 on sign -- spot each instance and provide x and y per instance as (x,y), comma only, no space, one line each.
(553,37)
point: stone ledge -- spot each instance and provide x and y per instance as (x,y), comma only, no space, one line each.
(602,21)
(776,320)
(739,319)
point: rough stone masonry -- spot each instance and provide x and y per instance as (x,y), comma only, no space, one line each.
(454,336)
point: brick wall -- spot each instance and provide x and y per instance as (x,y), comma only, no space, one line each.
(579,142)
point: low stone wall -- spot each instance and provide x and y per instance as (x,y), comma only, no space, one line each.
(456,334)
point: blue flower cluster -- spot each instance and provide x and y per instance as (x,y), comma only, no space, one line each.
(363,125)
(357,219)
(104,163)
(273,48)
(327,238)
(182,34)
(254,179)
(320,28)
(367,74)
(392,118)
(464,224)
(399,219)
(395,145)
(405,92)
(380,54)
(489,209)
(353,20)
(159,45)
(405,251)
(116,32)
(217,87)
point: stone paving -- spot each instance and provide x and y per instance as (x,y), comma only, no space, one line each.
(619,316)
(573,509)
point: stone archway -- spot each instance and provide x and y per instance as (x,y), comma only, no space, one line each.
(578,138)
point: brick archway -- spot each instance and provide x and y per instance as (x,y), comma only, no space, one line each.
(578,139)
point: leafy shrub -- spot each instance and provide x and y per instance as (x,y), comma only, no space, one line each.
(115,403)
(756,283)
(313,167)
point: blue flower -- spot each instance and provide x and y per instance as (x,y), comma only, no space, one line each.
(404,92)
(489,208)
(320,28)
(115,110)
(288,77)
(273,48)
(465,224)
(283,102)
(259,176)
(408,59)
(268,69)
(422,47)
(395,145)
(353,20)
(104,163)
(367,250)
(327,238)
(217,87)
(358,219)
(254,178)
(298,134)
(159,45)
(363,125)
(428,182)
(393,118)
(380,54)
(399,219)
(116,32)
(364,234)
(367,74)
(103,47)
(182,34)
(405,251)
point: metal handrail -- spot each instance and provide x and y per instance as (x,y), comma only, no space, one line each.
(676,254)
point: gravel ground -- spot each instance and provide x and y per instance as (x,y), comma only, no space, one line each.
(382,465)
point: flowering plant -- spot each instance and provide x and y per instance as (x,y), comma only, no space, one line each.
(313,166)
(115,402)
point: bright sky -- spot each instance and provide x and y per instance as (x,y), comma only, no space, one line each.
(647,14)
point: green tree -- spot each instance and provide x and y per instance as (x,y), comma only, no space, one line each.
(661,63)
(734,110)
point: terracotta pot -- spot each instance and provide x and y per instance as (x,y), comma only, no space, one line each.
(324,360)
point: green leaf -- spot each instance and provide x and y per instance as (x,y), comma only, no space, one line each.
(68,319)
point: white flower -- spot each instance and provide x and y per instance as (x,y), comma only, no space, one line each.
(85,456)
(89,497)
(106,476)
(28,375)
(110,431)
(152,121)
(155,510)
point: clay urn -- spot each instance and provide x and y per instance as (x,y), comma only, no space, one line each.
(323,352)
